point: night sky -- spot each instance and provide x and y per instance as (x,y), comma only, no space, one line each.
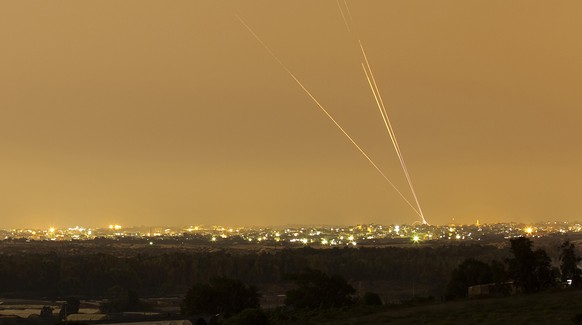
(171,113)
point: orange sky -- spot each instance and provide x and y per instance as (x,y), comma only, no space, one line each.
(169,112)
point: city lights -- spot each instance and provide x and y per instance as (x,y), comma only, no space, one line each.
(370,234)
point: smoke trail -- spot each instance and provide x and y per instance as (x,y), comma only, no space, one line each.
(348,10)
(343,16)
(382,108)
(326,113)
(391,131)
(388,124)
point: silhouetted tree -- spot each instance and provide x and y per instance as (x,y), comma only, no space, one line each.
(569,264)
(122,300)
(253,316)
(470,272)
(371,299)
(71,306)
(498,272)
(92,272)
(500,278)
(530,270)
(46,312)
(220,296)
(316,289)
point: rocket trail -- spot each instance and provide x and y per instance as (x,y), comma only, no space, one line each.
(343,16)
(327,114)
(382,108)
(393,138)
(388,124)
(348,10)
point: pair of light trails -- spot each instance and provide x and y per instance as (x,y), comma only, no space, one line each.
(377,97)
(380,103)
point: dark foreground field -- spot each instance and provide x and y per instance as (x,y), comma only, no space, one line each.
(556,307)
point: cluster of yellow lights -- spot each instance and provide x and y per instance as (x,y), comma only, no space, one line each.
(529,230)
(115,227)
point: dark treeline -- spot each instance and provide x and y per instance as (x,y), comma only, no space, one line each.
(97,274)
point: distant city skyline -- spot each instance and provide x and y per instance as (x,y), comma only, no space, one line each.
(150,113)
(328,235)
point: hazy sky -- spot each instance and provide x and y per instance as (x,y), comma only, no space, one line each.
(169,112)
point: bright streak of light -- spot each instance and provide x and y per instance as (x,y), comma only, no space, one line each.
(327,114)
(381,107)
(388,124)
(348,10)
(343,16)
